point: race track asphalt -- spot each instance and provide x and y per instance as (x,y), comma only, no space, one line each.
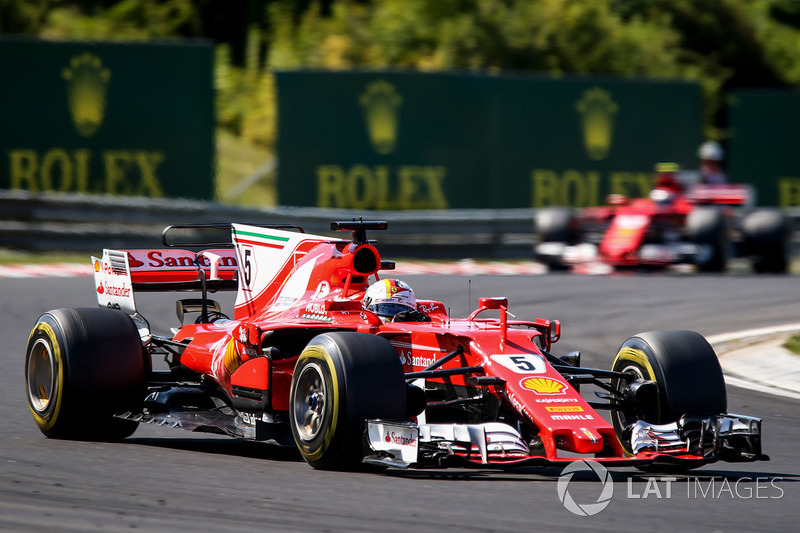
(168,480)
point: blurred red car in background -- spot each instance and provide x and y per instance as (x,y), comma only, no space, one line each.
(702,225)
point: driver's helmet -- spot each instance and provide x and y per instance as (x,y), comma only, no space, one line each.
(388,297)
(662,196)
(667,185)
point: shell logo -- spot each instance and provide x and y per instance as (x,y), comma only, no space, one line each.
(544,385)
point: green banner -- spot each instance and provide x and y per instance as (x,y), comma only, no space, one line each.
(102,118)
(388,140)
(763,144)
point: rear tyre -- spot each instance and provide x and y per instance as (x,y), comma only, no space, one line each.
(340,380)
(707,226)
(766,239)
(83,366)
(686,373)
(554,225)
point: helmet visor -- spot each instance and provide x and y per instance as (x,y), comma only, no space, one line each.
(388,309)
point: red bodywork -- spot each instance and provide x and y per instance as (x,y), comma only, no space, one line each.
(628,224)
(293,286)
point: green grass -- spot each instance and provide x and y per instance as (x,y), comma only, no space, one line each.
(11,257)
(793,344)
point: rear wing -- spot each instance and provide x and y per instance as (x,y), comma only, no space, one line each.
(212,266)
(176,269)
(262,263)
(735,194)
(119,273)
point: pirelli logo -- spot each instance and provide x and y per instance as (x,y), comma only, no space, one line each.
(564,409)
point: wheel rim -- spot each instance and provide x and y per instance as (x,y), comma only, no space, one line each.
(628,416)
(41,376)
(310,402)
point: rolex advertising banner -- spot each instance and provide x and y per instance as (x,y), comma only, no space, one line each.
(763,144)
(102,118)
(388,140)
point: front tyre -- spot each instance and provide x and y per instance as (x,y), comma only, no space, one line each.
(686,372)
(340,380)
(766,236)
(83,366)
(707,226)
(554,226)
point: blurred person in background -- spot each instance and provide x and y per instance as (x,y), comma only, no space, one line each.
(711,156)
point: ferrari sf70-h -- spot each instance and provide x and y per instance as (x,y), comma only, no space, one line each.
(703,226)
(302,363)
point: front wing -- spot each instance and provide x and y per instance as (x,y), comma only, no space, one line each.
(728,437)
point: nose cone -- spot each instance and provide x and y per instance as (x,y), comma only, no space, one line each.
(579,440)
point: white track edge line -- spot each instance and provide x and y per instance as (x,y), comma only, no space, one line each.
(759,387)
(750,333)
(748,384)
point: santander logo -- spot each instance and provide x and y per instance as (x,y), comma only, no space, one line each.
(133,262)
(400,439)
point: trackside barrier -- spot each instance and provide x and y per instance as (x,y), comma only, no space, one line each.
(68,222)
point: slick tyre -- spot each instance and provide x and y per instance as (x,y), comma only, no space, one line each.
(556,225)
(83,366)
(340,380)
(687,376)
(766,239)
(707,226)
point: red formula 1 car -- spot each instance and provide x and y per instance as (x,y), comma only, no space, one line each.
(302,363)
(701,226)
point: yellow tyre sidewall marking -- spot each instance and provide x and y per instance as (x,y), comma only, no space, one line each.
(47,330)
(637,356)
(321,354)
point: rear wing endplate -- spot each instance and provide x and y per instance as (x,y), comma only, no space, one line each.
(121,272)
